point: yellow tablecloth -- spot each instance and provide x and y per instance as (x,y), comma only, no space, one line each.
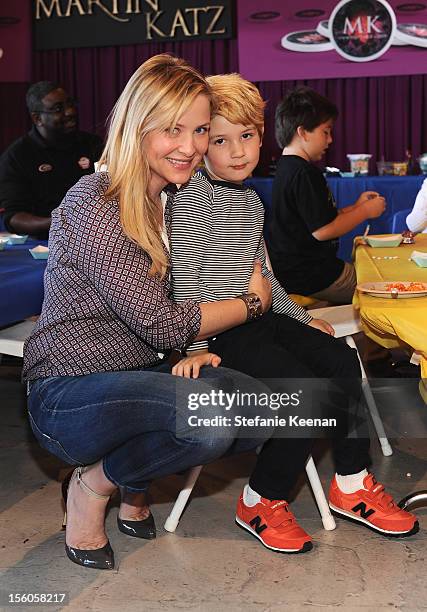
(389,322)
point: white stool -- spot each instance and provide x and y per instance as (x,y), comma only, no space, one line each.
(193,474)
(346,322)
(12,338)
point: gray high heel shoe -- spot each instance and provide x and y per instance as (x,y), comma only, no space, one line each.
(99,558)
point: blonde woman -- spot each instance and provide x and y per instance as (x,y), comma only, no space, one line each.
(99,393)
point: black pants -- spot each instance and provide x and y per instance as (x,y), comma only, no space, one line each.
(280,347)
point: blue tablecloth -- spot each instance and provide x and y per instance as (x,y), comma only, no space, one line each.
(399,191)
(21,282)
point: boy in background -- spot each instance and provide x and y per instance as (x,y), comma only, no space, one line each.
(305,223)
(217,227)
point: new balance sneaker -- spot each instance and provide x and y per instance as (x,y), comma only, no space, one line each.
(274,525)
(373,507)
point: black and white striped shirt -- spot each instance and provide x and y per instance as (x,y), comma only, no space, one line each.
(216,236)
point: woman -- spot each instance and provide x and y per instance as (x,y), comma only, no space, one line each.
(99,394)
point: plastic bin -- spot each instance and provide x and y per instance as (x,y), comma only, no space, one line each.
(359,163)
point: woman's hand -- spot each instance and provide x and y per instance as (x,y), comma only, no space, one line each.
(189,367)
(260,285)
(324,326)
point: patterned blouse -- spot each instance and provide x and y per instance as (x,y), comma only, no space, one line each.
(102,310)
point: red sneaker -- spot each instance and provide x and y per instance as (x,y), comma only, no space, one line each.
(374,508)
(272,522)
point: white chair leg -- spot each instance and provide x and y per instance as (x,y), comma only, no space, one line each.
(313,477)
(372,407)
(178,508)
(319,495)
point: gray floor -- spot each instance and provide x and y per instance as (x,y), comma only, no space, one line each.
(209,564)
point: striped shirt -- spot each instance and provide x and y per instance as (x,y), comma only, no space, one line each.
(216,236)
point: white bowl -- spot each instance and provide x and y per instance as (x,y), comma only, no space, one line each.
(39,252)
(17,239)
(392,240)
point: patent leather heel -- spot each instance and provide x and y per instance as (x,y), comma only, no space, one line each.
(98,558)
(145,529)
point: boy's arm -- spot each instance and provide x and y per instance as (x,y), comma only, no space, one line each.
(366,195)
(317,207)
(368,208)
(282,303)
(191,228)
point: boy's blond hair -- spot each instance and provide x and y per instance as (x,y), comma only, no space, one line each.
(237,100)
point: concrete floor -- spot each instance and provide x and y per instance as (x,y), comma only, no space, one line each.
(209,564)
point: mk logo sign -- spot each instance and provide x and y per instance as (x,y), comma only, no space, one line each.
(362,509)
(365,25)
(256,524)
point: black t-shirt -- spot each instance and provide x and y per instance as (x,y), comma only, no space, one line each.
(35,175)
(302,203)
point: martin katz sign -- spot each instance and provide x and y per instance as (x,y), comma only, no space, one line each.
(95,23)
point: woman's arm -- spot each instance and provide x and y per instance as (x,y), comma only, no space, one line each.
(225,314)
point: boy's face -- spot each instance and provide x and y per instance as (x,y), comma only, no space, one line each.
(233,150)
(317,142)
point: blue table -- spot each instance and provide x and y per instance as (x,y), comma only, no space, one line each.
(21,282)
(399,191)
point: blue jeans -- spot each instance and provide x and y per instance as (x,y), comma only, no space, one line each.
(129,420)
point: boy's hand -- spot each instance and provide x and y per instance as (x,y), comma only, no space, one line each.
(374,208)
(324,326)
(372,203)
(189,367)
(366,195)
(261,286)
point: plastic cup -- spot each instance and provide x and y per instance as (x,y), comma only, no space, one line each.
(359,162)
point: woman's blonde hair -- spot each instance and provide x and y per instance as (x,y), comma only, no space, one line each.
(156,95)
(237,100)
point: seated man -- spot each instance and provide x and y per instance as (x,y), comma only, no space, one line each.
(37,170)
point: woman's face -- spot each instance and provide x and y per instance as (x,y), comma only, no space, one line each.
(173,154)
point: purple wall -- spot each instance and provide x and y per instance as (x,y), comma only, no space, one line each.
(15,41)
(382,115)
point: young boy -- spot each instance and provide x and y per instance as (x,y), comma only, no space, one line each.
(217,227)
(305,223)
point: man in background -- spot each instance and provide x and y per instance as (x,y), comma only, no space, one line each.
(37,170)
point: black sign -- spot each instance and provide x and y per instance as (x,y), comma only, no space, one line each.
(95,23)
(362,30)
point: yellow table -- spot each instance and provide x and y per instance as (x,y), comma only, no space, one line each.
(390,322)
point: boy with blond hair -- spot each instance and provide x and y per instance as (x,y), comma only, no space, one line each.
(217,225)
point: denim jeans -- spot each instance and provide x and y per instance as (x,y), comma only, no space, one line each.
(128,419)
